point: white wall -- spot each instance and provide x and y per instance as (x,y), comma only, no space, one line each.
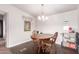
(15,25)
(78,18)
(55,23)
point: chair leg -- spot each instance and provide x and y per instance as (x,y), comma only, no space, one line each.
(55,49)
(35,48)
(39,49)
(43,50)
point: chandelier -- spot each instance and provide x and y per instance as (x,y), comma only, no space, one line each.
(42,17)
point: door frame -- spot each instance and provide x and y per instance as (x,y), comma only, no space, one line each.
(1,21)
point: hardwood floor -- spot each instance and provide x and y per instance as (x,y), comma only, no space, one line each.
(3,49)
(27,48)
(2,42)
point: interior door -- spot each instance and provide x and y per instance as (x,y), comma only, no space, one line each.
(1,28)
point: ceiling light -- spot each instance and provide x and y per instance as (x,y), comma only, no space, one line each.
(42,17)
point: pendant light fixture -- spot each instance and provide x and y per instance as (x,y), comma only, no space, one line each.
(42,17)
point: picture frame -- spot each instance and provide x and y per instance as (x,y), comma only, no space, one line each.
(27,26)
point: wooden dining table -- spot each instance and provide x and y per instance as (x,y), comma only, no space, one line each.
(41,38)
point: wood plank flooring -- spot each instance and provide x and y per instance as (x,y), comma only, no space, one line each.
(27,48)
(3,49)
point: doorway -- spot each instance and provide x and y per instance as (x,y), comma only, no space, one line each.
(2,40)
(1,28)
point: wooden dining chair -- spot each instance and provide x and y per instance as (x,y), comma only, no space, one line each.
(50,43)
(36,44)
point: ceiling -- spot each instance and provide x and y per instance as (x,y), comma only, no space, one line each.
(48,9)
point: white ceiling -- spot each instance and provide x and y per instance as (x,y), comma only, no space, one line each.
(49,9)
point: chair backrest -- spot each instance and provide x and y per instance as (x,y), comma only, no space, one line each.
(54,37)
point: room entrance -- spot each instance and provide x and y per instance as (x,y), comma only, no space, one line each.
(2,39)
(1,28)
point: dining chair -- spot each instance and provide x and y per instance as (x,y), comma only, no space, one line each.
(49,44)
(36,44)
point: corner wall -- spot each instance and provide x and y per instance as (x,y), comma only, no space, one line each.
(55,23)
(15,25)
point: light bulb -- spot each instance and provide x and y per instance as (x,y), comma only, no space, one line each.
(46,18)
(43,17)
(39,18)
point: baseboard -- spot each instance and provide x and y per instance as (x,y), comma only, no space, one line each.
(17,44)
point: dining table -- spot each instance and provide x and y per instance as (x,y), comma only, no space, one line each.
(41,38)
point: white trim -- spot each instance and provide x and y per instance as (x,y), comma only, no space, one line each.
(17,44)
